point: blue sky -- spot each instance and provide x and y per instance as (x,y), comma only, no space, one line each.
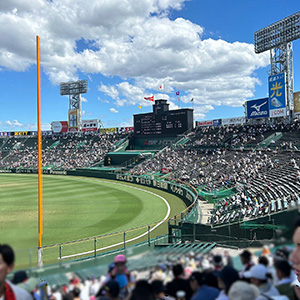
(127,49)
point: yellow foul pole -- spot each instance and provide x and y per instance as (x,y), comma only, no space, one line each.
(40,180)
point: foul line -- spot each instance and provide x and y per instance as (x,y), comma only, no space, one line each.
(133,239)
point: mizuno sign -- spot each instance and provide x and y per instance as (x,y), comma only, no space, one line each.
(258,108)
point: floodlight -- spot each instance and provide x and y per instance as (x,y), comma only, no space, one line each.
(278,33)
(73,87)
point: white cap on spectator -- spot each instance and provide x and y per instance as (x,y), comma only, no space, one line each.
(242,290)
(259,272)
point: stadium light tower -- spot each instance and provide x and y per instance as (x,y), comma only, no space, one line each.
(278,38)
(74,89)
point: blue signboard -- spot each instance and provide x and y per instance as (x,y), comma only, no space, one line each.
(258,108)
(277,100)
(4,133)
(216,122)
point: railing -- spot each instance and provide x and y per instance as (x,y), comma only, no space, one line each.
(94,246)
(97,245)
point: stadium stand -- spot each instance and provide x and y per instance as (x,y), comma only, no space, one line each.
(247,172)
(64,152)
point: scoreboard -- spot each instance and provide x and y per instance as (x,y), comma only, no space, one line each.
(165,123)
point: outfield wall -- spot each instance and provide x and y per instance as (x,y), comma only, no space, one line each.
(186,194)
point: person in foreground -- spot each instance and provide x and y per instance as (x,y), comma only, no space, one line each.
(201,290)
(295,258)
(8,291)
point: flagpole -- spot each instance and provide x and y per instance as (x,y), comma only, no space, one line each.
(40,180)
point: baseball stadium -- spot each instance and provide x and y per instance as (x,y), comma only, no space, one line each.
(169,190)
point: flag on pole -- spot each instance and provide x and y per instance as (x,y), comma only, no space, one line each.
(177,93)
(149,98)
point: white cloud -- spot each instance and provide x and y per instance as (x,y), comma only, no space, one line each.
(103,100)
(110,91)
(46,126)
(16,125)
(173,105)
(13,124)
(135,40)
(83,99)
(200,111)
(113,110)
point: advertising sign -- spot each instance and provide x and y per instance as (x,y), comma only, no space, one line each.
(233,121)
(59,126)
(108,130)
(125,129)
(297,103)
(46,132)
(90,125)
(21,133)
(217,122)
(258,108)
(73,119)
(277,95)
(204,123)
(4,134)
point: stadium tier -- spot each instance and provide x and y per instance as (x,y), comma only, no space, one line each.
(246,178)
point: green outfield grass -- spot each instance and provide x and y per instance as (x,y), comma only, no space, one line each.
(76,208)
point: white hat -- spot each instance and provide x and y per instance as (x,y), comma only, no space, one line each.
(259,272)
(242,290)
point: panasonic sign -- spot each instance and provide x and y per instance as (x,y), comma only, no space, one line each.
(258,108)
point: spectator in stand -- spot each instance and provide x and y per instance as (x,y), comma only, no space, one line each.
(284,286)
(242,290)
(158,274)
(200,289)
(266,251)
(258,276)
(226,277)
(22,280)
(75,293)
(8,291)
(110,291)
(179,283)
(122,276)
(217,261)
(295,257)
(245,257)
(142,291)
(280,255)
(228,259)
(159,290)
(210,278)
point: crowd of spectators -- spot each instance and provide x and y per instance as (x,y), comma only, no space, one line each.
(213,276)
(267,180)
(242,134)
(214,169)
(230,135)
(65,152)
